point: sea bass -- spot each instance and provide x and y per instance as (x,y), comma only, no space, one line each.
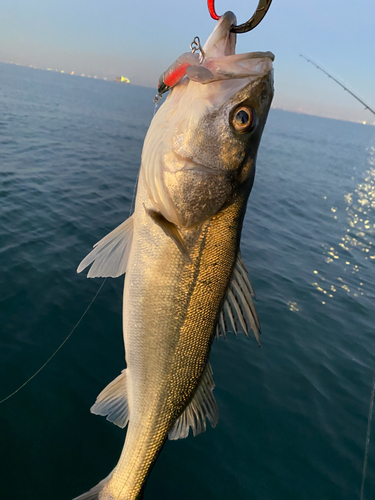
(185,280)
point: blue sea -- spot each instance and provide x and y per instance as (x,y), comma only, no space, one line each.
(293,414)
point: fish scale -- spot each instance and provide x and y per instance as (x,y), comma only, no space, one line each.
(180,251)
(200,286)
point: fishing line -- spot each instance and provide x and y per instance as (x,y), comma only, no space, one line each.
(57,350)
(78,322)
(368,436)
(132,205)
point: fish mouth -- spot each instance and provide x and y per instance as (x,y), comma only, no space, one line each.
(247,65)
(250,65)
(259,55)
(222,41)
(219,59)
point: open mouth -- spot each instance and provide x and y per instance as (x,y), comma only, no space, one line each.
(251,64)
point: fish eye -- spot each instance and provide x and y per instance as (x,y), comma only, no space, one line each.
(243,119)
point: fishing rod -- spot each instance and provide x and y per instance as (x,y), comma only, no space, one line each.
(369,420)
(341,85)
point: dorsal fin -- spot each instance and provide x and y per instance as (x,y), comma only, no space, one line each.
(110,255)
(201,406)
(238,312)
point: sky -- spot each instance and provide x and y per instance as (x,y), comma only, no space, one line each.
(140,39)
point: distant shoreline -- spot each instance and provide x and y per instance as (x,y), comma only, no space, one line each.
(112,80)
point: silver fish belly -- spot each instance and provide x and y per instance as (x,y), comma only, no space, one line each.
(185,279)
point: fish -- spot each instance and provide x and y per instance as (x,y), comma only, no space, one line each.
(186,282)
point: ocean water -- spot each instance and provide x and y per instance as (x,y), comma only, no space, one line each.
(293,415)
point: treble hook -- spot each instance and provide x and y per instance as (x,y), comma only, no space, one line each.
(260,12)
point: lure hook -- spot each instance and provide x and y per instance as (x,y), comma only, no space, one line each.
(259,14)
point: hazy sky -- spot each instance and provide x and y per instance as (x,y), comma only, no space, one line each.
(140,39)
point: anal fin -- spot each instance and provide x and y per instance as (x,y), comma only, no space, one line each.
(112,402)
(202,406)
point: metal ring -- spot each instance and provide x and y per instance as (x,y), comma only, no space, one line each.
(259,14)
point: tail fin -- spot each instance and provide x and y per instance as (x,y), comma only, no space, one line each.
(94,493)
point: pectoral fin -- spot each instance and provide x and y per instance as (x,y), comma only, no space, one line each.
(112,402)
(170,230)
(201,406)
(110,255)
(238,312)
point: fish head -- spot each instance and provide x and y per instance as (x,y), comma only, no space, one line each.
(222,134)
(202,144)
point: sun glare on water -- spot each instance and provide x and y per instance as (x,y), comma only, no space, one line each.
(359,237)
